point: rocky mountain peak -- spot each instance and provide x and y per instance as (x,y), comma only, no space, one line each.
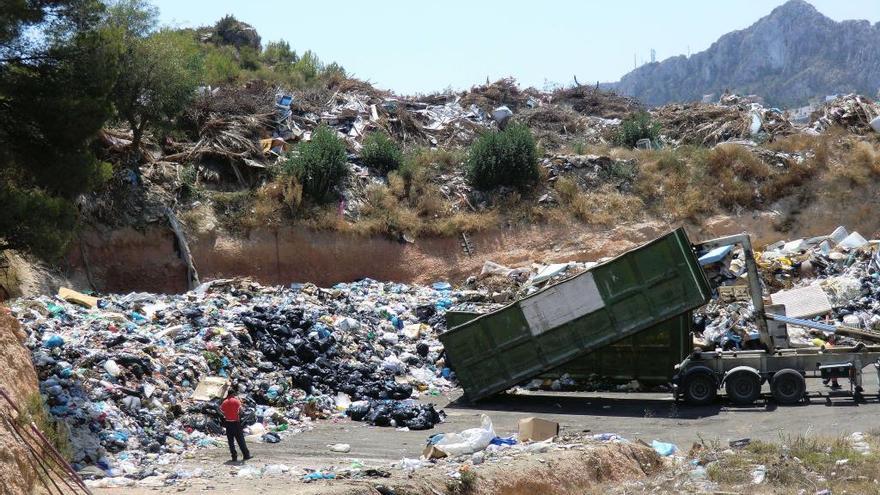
(790,56)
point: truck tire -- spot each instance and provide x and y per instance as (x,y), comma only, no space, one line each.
(743,386)
(788,386)
(700,388)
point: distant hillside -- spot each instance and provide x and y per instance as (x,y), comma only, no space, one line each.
(788,57)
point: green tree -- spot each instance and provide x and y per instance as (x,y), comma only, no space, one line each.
(220,64)
(309,65)
(159,70)
(320,165)
(505,158)
(279,53)
(56,76)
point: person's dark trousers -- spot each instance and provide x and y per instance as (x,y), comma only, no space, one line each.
(235,433)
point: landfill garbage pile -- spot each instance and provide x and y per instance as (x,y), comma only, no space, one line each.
(502,284)
(558,125)
(705,124)
(855,113)
(121,371)
(832,279)
(588,100)
(503,92)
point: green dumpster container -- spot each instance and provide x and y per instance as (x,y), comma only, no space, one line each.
(649,356)
(642,288)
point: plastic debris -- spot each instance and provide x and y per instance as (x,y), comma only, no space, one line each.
(468,441)
(122,376)
(663,448)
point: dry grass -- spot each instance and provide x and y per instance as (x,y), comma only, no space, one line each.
(566,190)
(796,143)
(467,222)
(797,463)
(383,213)
(737,174)
(605,206)
(670,183)
(861,166)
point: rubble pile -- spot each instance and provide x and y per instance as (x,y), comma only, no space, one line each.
(833,279)
(504,92)
(595,102)
(121,371)
(709,124)
(557,125)
(853,112)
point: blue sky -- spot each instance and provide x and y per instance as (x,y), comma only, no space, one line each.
(410,46)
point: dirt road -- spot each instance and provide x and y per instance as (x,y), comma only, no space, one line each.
(645,416)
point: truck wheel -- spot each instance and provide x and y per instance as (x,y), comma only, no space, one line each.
(743,387)
(699,388)
(788,386)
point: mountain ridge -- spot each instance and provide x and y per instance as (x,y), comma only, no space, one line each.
(789,56)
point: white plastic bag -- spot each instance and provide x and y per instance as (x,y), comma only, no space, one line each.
(469,441)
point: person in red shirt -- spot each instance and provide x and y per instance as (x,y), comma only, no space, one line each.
(231,408)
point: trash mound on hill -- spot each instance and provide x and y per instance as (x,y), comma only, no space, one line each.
(137,378)
(855,113)
(587,100)
(705,124)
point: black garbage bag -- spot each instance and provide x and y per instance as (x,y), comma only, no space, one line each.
(380,415)
(271,437)
(401,391)
(213,426)
(359,410)
(425,312)
(422,349)
(248,416)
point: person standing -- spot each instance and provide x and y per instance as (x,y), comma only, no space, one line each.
(231,408)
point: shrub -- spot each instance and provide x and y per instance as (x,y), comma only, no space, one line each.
(381,153)
(637,126)
(505,158)
(320,164)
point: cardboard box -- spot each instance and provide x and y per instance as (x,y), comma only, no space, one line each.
(75,297)
(432,452)
(536,429)
(211,387)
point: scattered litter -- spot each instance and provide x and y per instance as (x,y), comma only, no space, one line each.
(663,448)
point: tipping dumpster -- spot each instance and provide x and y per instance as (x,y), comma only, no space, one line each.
(639,289)
(649,356)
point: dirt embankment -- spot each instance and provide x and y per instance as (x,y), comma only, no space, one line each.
(129,260)
(18,379)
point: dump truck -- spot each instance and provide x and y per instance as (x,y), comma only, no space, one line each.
(620,298)
(742,373)
(653,285)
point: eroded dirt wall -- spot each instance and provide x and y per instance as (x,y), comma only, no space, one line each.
(18,379)
(128,260)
